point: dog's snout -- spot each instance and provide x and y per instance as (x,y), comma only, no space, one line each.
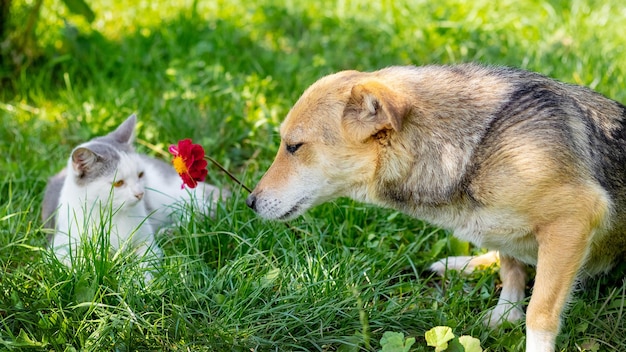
(251,201)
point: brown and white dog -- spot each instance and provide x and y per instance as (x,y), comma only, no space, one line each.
(510,160)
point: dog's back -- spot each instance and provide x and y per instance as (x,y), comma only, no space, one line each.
(478,130)
(585,134)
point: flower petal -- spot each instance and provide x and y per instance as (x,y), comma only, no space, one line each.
(192,167)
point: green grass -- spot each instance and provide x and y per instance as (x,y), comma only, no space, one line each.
(225,73)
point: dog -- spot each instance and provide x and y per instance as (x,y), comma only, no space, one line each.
(507,159)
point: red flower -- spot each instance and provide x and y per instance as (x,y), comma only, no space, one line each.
(189,162)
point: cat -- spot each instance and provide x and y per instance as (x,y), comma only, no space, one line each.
(107,186)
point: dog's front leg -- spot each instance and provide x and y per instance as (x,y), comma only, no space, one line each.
(562,250)
(513,276)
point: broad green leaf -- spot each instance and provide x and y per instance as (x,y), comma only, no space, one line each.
(591,346)
(23,340)
(270,277)
(470,343)
(458,247)
(408,343)
(438,337)
(80,7)
(219,298)
(395,342)
(438,247)
(455,346)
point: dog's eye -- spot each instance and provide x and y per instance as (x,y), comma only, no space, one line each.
(291,148)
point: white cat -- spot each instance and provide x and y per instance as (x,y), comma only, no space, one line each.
(108,187)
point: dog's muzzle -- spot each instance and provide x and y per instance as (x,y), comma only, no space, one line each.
(251,202)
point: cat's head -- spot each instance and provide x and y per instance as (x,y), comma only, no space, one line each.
(108,165)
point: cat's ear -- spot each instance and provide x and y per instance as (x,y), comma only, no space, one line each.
(125,132)
(82,160)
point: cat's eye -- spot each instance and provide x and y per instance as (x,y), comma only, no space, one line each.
(140,175)
(292,148)
(118,183)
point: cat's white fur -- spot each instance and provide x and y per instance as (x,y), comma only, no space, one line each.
(120,211)
(130,202)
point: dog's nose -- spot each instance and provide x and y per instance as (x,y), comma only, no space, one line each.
(251,201)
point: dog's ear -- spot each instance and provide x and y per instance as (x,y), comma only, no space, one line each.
(371,108)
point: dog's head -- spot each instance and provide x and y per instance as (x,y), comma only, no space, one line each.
(330,146)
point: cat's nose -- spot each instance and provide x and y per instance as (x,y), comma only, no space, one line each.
(139,195)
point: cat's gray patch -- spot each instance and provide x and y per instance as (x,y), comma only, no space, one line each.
(106,160)
(51,199)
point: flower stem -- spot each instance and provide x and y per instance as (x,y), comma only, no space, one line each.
(228,173)
(244,186)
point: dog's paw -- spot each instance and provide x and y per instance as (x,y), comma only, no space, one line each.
(462,264)
(439,267)
(503,313)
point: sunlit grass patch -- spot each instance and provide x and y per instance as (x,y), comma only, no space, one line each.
(225,73)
